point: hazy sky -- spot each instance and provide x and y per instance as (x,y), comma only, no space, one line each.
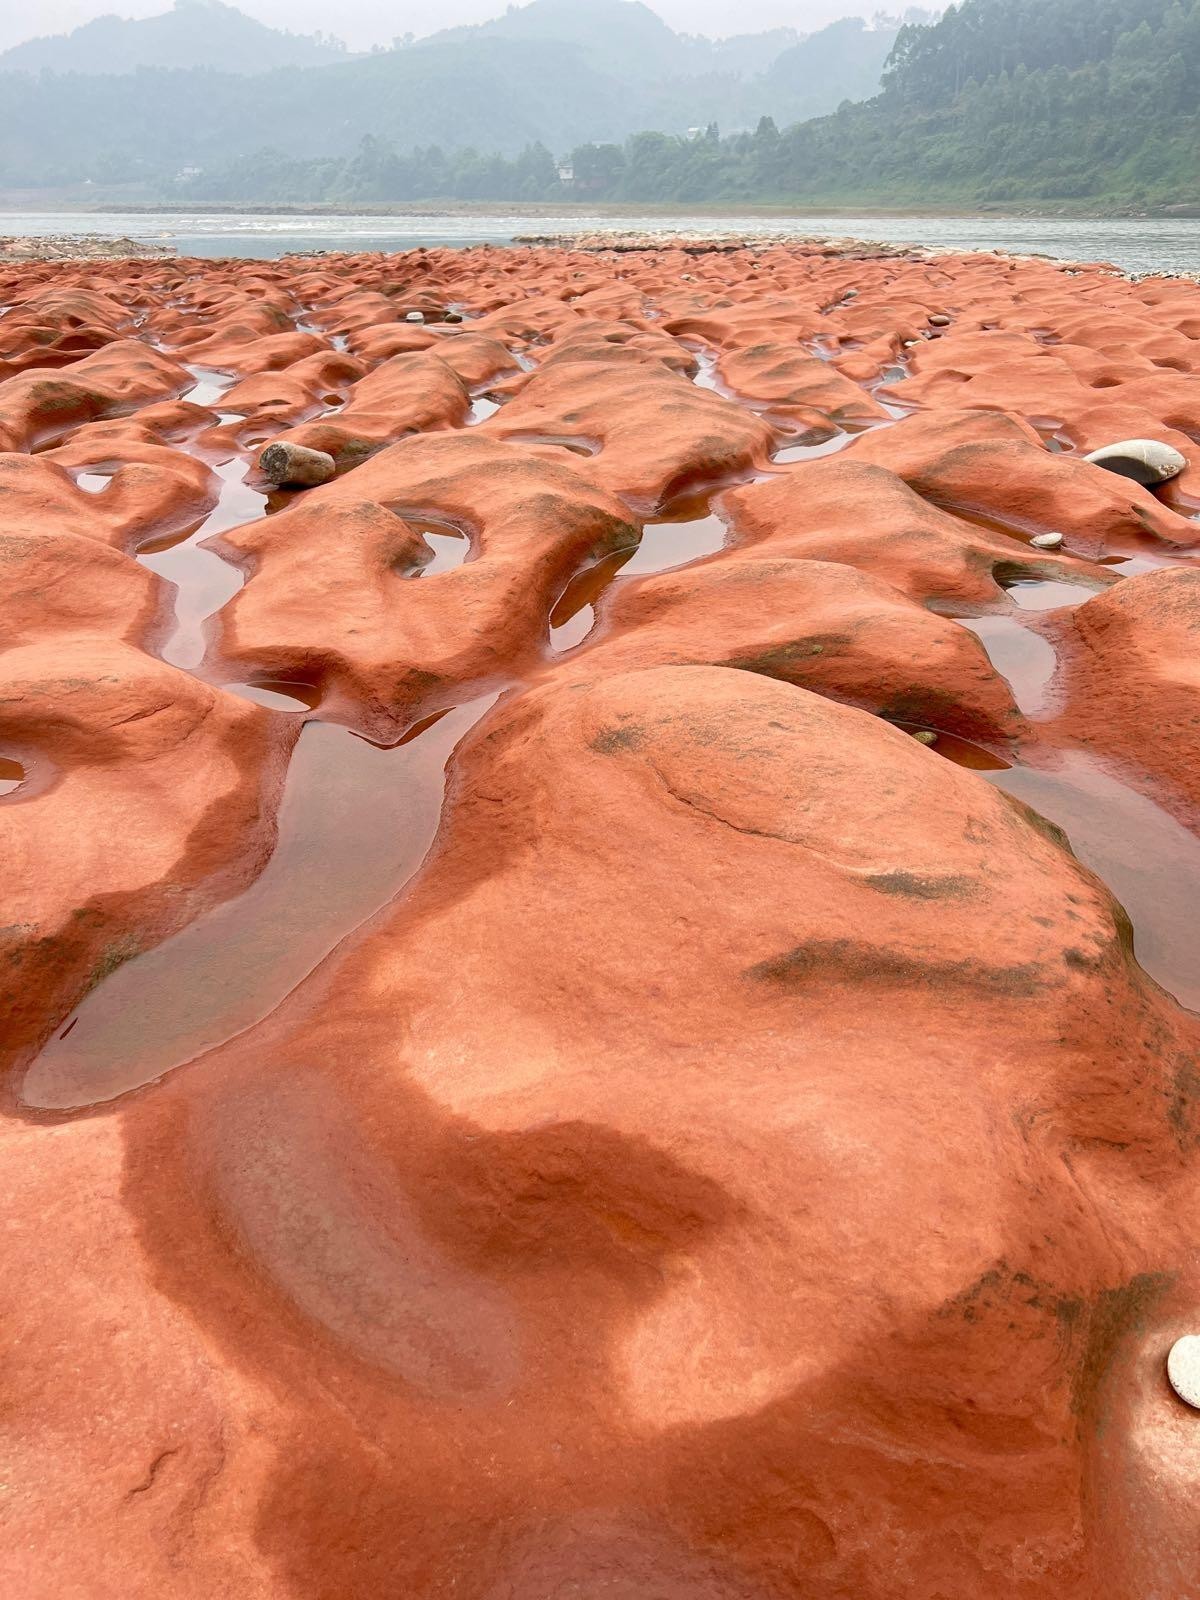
(365,22)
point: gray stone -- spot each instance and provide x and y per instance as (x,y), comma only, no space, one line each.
(1183,1368)
(939,319)
(296,466)
(1144,460)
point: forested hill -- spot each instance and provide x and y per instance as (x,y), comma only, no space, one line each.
(1018,100)
(112,103)
(1031,101)
(193,33)
(1000,101)
(984,39)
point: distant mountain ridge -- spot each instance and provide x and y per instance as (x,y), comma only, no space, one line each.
(996,101)
(632,44)
(194,33)
(643,46)
(559,73)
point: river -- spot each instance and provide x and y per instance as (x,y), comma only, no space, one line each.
(1137,244)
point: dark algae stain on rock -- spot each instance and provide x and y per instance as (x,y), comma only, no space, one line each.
(847,960)
(1112,1318)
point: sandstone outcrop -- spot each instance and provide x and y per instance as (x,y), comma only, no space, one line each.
(604,1001)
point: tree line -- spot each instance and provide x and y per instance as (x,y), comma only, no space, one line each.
(1000,100)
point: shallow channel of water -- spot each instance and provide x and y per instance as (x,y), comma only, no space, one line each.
(355,824)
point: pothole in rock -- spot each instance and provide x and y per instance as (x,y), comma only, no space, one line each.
(1045,594)
(705,376)
(574,612)
(1132,566)
(1149,861)
(482,407)
(449,546)
(233,965)
(961,751)
(560,441)
(1024,659)
(573,629)
(277,694)
(208,387)
(12,775)
(812,450)
(93,482)
(676,542)
(203,581)
(666,544)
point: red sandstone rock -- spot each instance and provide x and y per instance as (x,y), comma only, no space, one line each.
(404,645)
(683,1269)
(659,436)
(991,465)
(35,410)
(1133,680)
(311,384)
(176,782)
(407,394)
(736,1153)
(801,388)
(816,624)
(842,509)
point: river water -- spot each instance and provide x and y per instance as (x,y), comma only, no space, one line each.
(1136,244)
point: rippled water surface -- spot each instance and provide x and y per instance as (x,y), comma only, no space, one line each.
(1139,244)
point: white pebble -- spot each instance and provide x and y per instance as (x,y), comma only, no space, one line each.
(1046,541)
(1183,1369)
(1146,461)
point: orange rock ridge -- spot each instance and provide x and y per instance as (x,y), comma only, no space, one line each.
(522,1077)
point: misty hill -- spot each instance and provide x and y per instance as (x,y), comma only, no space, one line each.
(743,54)
(1031,101)
(1002,100)
(847,57)
(625,41)
(1021,100)
(632,42)
(556,72)
(195,33)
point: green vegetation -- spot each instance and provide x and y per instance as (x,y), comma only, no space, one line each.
(1111,117)
(555,72)
(1027,100)
(1001,101)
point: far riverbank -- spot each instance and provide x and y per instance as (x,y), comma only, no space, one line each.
(1135,244)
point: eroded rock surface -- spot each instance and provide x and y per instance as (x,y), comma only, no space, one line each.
(522,1076)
